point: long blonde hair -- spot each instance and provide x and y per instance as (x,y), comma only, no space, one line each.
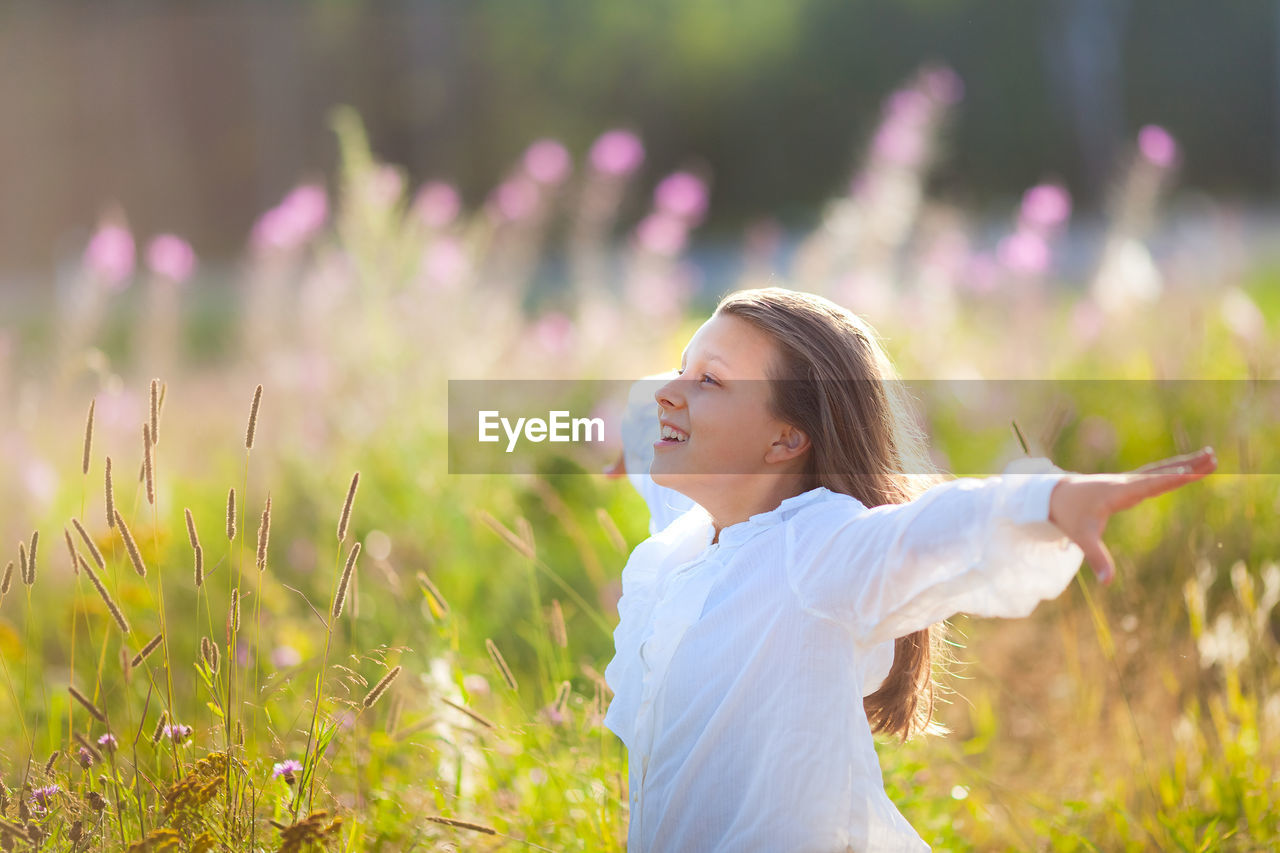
(834,382)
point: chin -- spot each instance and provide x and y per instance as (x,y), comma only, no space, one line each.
(682,483)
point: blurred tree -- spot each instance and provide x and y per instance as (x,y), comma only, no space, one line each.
(1083,55)
(196,117)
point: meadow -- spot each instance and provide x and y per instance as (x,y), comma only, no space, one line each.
(385,656)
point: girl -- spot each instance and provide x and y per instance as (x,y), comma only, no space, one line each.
(786,606)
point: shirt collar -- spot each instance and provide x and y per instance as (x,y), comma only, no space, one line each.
(736,534)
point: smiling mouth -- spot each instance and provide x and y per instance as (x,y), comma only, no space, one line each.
(671,435)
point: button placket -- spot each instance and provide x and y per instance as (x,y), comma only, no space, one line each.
(670,587)
(675,589)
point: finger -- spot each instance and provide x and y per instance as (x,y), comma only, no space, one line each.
(1204,457)
(1104,568)
(1137,486)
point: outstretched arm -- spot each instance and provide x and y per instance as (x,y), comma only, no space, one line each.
(994,546)
(618,468)
(1080,504)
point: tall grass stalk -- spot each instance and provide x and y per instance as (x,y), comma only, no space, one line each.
(1107,642)
(264,529)
(339,592)
(249,436)
(84,490)
(151,438)
(521,547)
(234,535)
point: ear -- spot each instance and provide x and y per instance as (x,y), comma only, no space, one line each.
(789,443)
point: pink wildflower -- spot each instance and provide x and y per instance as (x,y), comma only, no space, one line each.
(617,152)
(172,257)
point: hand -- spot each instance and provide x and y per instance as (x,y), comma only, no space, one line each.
(617,469)
(1080,504)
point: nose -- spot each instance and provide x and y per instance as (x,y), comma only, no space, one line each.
(670,395)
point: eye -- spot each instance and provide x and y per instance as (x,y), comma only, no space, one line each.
(706,377)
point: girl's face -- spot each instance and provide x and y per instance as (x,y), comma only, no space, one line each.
(718,408)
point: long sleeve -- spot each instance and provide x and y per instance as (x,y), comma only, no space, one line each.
(978,546)
(639,431)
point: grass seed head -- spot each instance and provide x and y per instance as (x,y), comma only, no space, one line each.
(88,705)
(264,534)
(346,507)
(191,528)
(479,718)
(558,633)
(31,558)
(88,439)
(132,547)
(463,824)
(381,687)
(500,663)
(341,597)
(85,742)
(160,723)
(231,514)
(611,530)
(112,607)
(148,465)
(431,590)
(209,651)
(146,650)
(508,535)
(111,498)
(71,551)
(253,419)
(155,411)
(89,543)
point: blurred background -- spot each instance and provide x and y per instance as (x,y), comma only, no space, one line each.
(353,203)
(197,117)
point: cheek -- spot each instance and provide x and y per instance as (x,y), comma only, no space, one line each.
(736,429)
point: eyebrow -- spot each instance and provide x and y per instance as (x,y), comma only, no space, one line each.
(685,355)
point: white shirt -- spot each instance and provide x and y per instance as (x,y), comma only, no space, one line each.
(740,666)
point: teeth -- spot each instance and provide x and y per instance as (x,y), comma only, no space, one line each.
(671,432)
